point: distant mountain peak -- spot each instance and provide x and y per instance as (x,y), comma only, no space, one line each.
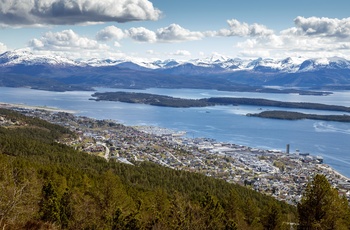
(26,57)
(214,63)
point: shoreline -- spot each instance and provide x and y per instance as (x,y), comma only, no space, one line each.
(332,170)
(154,128)
(240,164)
(23,106)
(52,109)
(149,129)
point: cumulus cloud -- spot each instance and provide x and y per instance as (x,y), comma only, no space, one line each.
(243,29)
(66,12)
(66,40)
(309,37)
(176,33)
(110,33)
(171,33)
(142,34)
(322,27)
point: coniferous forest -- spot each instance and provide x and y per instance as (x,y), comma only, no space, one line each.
(48,185)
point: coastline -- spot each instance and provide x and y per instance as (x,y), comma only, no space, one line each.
(23,106)
(332,170)
(149,129)
(264,170)
(160,131)
(164,130)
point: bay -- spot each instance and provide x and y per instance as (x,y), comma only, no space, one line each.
(223,123)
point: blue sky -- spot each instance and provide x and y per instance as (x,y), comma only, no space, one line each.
(182,29)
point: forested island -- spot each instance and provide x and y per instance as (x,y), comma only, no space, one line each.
(161,100)
(152,99)
(288,115)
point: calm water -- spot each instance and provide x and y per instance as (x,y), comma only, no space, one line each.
(223,123)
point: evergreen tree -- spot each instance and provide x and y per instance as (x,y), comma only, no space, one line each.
(271,219)
(66,212)
(118,221)
(49,204)
(213,212)
(321,207)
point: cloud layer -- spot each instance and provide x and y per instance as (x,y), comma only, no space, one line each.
(309,37)
(67,12)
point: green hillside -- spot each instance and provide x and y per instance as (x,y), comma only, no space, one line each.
(47,185)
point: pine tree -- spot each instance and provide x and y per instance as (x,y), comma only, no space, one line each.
(321,207)
(271,218)
(49,204)
(213,212)
(66,212)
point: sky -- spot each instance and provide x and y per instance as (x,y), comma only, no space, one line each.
(181,29)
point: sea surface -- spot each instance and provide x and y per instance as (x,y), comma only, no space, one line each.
(331,140)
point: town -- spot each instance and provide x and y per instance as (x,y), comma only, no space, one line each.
(279,174)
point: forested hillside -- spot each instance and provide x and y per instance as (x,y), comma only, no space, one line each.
(47,185)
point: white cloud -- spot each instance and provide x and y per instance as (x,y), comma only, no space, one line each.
(243,29)
(64,12)
(142,34)
(176,33)
(312,26)
(110,33)
(309,38)
(66,40)
(171,33)
(3,48)
(182,53)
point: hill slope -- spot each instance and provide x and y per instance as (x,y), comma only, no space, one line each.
(47,184)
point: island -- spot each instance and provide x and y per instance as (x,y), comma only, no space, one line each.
(288,115)
(151,99)
(167,101)
(161,100)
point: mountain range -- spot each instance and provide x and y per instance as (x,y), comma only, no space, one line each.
(22,68)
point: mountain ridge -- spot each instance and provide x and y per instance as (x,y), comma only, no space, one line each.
(206,72)
(288,64)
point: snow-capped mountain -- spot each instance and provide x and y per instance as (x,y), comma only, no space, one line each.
(214,63)
(324,63)
(213,72)
(24,57)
